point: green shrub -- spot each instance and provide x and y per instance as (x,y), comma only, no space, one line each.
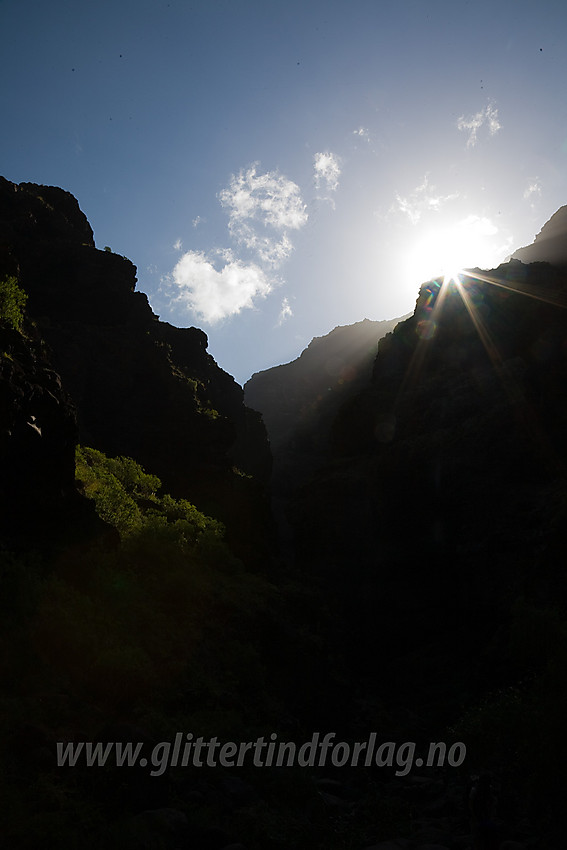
(169,610)
(127,497)
(114,503)
(12,303)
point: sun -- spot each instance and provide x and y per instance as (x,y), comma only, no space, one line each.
(447,250)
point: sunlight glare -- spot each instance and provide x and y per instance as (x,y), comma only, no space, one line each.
(447,250)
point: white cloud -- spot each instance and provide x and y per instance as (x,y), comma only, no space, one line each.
(424,198)
(285,312)
(327,171)
(197,221)
(178,245)
(362,132)
(214,295)
(262,209)
(488,116)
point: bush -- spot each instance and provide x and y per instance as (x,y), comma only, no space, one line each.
(127,497)
(102,482)
(169,611)
(12,303)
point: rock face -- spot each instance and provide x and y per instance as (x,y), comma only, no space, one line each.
(550,244)
(294,396)
(441,501)
(141,387)
(299,400)
(40,505)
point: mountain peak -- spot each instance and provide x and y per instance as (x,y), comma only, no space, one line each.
(550,244)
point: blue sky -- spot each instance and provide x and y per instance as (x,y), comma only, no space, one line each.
(277,168)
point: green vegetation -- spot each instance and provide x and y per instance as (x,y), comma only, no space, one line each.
(144,616)
(127,497)
(160,624)
(163,625)
(12,303)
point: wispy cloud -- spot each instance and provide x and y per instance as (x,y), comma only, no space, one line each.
(424,198)
(285,312)
(197,221)
(327,171)
(362,132)
(178,245)
(533,189)
(214,294)
(263,209)
(471,125)
(478,224)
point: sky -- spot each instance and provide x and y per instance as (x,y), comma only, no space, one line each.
(275,168)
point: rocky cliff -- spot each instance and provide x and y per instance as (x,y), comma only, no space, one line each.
(40,504)
(141,387)
(443,499)
(299,400)
(550,244)
(293,397)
